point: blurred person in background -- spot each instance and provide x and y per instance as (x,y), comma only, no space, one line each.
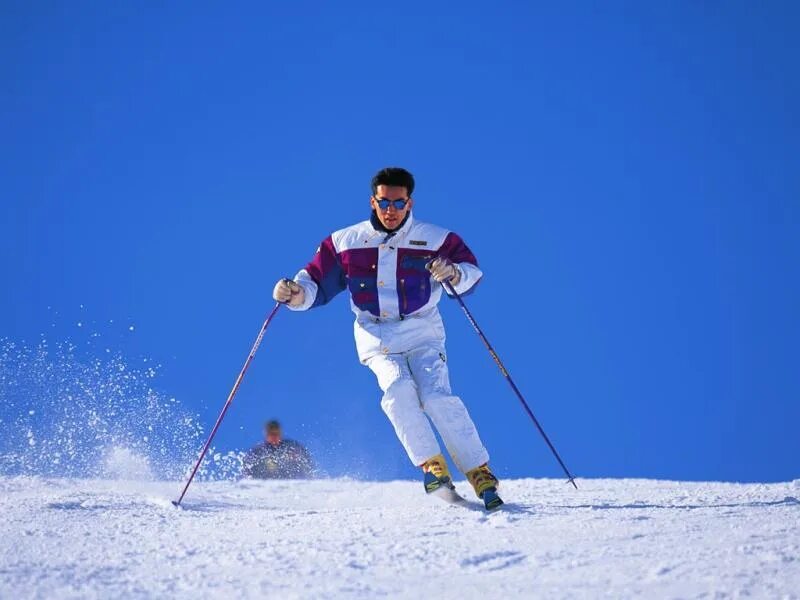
(277,457)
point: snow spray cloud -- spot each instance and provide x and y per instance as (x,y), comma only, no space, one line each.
(66,413)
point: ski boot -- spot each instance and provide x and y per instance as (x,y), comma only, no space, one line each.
(485,485)
(436,474)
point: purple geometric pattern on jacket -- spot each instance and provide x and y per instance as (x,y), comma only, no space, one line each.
(355,270)
(456,250)
(360,268)
(413,279)
(326,271)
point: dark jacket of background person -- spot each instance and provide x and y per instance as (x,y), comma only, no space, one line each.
(286,459)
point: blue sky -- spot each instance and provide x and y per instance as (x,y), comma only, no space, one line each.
(626,174)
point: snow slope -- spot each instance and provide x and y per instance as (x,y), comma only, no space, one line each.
(65,538)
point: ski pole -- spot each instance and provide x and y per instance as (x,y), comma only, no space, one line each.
(229,400)
(449,288)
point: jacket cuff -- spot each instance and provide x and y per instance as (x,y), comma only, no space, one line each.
(303,279)
(470,275)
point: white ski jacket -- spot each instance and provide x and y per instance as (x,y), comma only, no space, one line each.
(392,293)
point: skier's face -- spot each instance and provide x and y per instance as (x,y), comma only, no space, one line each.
(272,435)
(391,217)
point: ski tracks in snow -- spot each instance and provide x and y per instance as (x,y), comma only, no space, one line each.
(349,539)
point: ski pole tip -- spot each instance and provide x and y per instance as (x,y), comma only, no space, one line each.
(572,481)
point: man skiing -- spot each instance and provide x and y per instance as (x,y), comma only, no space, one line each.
(393,267)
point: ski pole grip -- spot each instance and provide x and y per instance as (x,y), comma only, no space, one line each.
(429,264)
(293,285)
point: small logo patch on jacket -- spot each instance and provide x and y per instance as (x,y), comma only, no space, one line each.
(418,242)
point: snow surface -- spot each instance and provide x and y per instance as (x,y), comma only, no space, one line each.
(95,538)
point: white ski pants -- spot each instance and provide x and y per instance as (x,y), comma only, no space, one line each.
(416,387)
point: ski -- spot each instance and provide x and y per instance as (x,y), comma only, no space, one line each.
(449,494)
(445,490)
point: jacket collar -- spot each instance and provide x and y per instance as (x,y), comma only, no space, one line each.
(396,233)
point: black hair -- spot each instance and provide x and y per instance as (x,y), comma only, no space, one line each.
(273,424)
(393,176)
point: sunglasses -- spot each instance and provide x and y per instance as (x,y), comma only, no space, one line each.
(398,204)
